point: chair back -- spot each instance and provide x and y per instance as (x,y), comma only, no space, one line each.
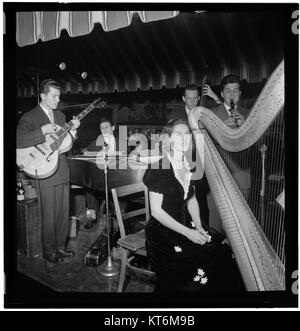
(124,191)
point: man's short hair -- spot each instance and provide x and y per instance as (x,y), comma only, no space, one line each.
(230,79)
(106,119)
(47,83)
(190,87)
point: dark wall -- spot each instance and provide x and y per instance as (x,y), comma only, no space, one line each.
(89,128)
(249,94)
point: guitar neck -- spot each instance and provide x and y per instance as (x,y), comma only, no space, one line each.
(62,133)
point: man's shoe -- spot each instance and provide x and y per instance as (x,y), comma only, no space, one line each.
(63,253)
(54,258)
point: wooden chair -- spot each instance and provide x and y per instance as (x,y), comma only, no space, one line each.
(132,244)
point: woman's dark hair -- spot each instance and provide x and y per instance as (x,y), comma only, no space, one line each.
(168,128)
(47,83)
(167,132)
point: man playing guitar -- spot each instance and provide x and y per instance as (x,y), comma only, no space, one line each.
(54,190)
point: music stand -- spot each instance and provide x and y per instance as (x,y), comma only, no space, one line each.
(107,269)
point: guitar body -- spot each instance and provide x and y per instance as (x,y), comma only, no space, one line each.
(41,160)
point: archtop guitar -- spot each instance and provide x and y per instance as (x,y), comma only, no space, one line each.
(42,160)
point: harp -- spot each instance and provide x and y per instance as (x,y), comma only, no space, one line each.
(259,252)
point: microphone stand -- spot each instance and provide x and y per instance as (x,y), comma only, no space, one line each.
(107,269)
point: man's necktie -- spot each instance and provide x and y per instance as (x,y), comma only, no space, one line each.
(50,112)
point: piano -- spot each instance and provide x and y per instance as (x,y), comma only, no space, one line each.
(87,172)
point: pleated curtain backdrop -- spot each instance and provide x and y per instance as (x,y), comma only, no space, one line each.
(34,26)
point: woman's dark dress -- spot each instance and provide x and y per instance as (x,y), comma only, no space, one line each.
(180,264)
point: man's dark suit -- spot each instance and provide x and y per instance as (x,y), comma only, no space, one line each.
(54,190)
(201,185)
(221,112)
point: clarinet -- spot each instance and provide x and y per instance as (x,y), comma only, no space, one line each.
(236,125)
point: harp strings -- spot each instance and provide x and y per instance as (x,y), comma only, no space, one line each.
(247,169)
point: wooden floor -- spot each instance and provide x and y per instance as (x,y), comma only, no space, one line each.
(73,284)
(72,275)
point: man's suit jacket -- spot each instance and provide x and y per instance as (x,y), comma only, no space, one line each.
(221,112)
(29,133)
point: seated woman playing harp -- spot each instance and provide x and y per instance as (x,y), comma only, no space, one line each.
(186,255)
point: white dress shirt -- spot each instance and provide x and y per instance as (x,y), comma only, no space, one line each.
(110,141)
(187,111)
(47,112)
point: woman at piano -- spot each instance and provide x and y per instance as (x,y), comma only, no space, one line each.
(186,255)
